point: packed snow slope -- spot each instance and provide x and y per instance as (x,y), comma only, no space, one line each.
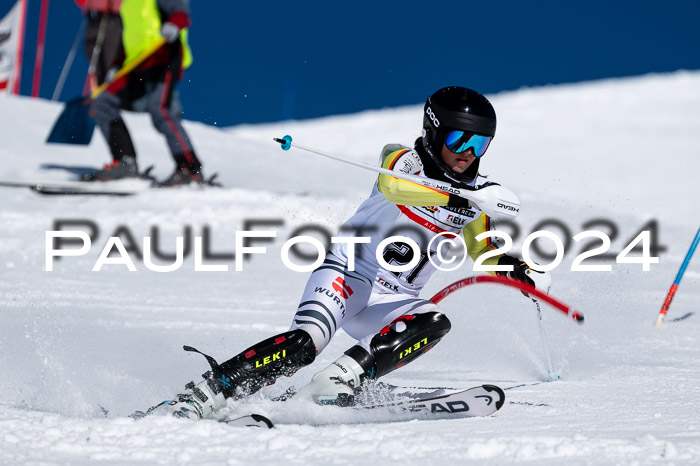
(80,350)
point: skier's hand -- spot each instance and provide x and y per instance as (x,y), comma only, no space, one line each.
(111,74)
(170,31)
(522,272)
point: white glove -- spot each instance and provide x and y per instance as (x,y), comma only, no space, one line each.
(170,32)
(521,271)
(111,74)
(541,280)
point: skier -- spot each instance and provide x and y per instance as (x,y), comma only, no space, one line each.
(152,82)
(380,308)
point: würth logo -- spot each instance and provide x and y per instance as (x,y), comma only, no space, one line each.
(342,288)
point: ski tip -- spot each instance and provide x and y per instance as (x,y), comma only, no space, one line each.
(501,393)
(286,142)
(146,174)
(260,419)
(214,181)
(252,420)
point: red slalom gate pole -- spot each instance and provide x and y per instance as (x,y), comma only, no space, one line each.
(40,43)
(529,289)
(676,282)
(17,75)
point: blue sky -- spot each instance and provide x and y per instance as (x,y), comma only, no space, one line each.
(274,60)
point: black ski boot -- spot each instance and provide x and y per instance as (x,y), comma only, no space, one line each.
(182,176)
(240,376)
(126,167)
(403,340)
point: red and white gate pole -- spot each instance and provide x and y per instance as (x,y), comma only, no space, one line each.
(676,282)
(40,43)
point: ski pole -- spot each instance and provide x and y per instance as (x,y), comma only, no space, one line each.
(676,282)
(97,51)
(495,201)
(544,339)
(68,64)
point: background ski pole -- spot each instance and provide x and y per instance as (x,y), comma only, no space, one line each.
(676,282)
(69,62)
(96,52)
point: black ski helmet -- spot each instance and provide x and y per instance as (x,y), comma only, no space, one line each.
(456,108)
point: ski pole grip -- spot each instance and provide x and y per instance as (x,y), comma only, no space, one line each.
(286,142)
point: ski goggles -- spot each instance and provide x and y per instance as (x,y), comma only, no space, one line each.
(461,141)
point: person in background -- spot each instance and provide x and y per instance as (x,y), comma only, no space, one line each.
(152,84)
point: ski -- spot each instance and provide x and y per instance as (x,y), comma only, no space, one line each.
(124,187)
(383,389)
(252,420)
(114,188)
(405,404)
(477,401)
(411,403)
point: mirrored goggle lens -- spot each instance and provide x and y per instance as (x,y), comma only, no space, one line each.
(460,141)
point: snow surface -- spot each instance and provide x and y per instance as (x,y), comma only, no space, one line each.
(76,343)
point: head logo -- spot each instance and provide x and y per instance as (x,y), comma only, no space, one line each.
(342,288)
(508,207)
(449,407)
